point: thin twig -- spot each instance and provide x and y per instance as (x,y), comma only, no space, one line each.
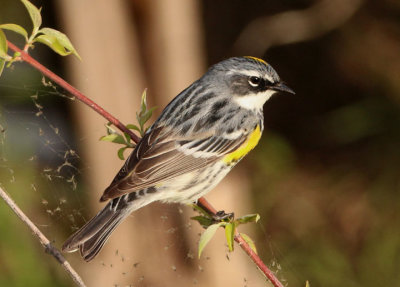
(49,248)
(202,201)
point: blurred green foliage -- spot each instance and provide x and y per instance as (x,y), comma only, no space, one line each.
(327,180)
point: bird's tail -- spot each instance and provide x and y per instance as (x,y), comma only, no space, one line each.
(93,235)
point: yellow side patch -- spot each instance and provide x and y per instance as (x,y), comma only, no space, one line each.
(257,59)
(245,148)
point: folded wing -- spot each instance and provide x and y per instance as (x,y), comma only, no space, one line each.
(163,155)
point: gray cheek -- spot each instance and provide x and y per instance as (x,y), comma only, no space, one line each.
(240,89)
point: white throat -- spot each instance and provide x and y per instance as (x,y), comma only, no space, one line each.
(254,101)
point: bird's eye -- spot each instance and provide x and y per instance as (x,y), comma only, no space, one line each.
(254,81)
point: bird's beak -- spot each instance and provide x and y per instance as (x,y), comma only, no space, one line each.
(281,87)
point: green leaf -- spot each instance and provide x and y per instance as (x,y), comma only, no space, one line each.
(143,105)
(128,141)
(230,235)
(110,129)
(3,45)
(61,38)
(248,218)
(144,114)
(249,241)
(133,127)
(2,63)
(34,12)
(145,117)
(121,152)
(207,235)
(15,28)
(3,51)
(203,220)
(115,138)
(201,210)
(53,43)
(127,138)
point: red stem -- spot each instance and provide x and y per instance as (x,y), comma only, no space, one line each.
(257,260)
(73,91)
(202,202)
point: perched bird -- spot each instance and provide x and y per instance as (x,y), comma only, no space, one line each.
(198,138)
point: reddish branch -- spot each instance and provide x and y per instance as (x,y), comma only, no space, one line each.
(257,260)
(201,202)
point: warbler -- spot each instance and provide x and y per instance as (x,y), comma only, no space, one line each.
(198,138)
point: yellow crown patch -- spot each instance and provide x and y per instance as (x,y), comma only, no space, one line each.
(257,59)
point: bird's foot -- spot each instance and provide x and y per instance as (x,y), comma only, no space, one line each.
(222,216)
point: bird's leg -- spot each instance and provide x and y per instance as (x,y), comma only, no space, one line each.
(216,216)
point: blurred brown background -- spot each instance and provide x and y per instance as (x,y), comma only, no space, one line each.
(325,178)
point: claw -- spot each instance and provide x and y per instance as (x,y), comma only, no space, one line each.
(221,216)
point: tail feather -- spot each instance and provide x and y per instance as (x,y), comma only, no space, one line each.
(88,230)
(93,235)
(92,247)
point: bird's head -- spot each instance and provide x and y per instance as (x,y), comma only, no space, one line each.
(250,81)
